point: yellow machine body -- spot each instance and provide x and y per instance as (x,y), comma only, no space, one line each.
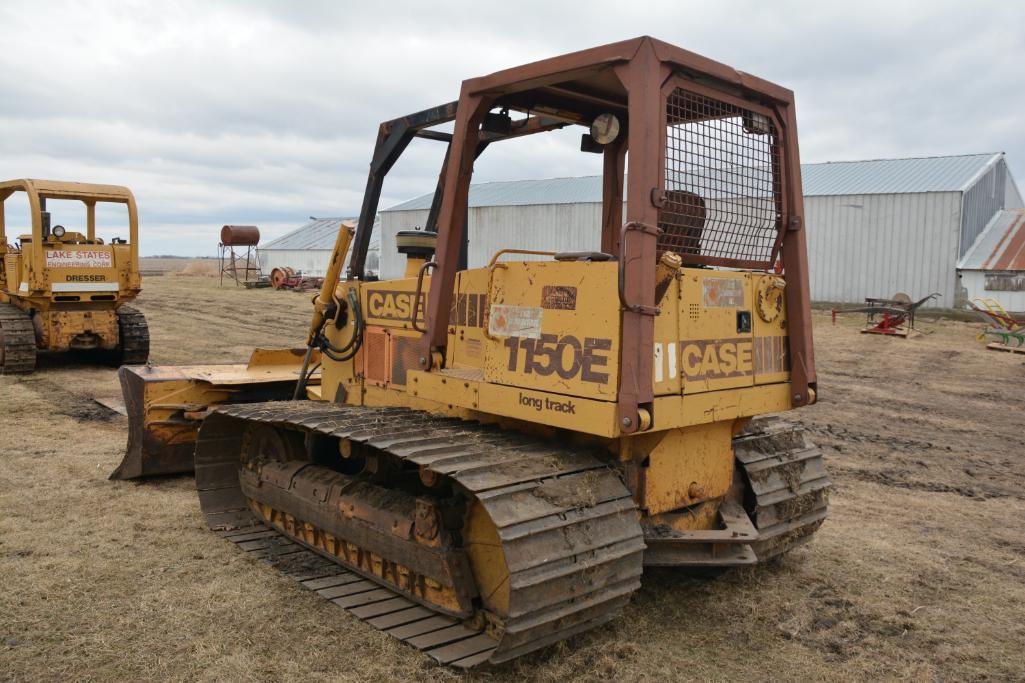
(535,343)
(69,285)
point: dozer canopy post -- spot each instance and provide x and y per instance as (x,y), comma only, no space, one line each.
(392,139)
(642,77)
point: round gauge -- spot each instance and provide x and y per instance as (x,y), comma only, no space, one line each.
(605,128)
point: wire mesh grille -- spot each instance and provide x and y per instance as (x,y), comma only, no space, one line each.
(375,355)
(405,356)
(722,200)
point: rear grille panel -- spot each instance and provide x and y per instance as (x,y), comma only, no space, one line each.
(375,355)
(405,356)
(723,197)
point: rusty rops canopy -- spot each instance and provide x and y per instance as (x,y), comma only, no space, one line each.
(714,178)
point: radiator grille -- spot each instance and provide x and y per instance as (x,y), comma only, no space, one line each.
(405,356)
(723,197)
(375,355)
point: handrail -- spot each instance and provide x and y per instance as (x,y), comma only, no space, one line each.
(419,294)
(529,252)
(637,226)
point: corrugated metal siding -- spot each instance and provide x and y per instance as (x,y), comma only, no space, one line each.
(893,176)
(553,227)
(876,245)
(319,233)
(870,245)
(578,190)
(974,284)
(550,227)
(981,202)
(879,176)
(312,262)
(1012,197)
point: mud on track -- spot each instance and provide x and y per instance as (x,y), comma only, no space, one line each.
(918,574)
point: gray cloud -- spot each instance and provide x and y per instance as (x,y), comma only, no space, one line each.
(266,112)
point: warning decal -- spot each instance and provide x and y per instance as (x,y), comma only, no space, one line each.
(723,292)
(515,321)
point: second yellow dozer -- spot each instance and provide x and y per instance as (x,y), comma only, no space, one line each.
(491,456)
(66,291)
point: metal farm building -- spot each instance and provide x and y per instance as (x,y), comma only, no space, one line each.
(874,227)
(307,250)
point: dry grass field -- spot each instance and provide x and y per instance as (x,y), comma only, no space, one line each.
(919,573)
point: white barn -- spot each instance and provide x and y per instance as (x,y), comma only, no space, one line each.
(307,250)
(874,227)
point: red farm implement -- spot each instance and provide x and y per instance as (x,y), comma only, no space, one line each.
(894,317)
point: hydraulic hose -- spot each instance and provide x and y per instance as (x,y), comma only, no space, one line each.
(336,353)
(349,350)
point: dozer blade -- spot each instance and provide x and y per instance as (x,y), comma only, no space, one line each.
(167,404)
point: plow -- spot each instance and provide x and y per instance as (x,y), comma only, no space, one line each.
(1008,330)
(288,278)
(893,317)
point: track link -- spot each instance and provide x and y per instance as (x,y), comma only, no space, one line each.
(133,342)
(567,525)
(788,487)
(17,341)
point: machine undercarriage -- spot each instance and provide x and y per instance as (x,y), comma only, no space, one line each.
(467,541)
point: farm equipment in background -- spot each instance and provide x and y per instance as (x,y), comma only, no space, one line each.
(493,455)
(65,291)
(288,278)
(1000,324)
(894,317)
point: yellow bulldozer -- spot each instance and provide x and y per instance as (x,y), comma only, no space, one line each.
(482,461)
(62,290)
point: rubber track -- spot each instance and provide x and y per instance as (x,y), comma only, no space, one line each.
(788,484)
(134,336)
(574,558)
(19,341)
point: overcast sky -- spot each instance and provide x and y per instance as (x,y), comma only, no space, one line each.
(266,112)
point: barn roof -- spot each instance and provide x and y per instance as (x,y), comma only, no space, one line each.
(1001,246)
(318,234)
(875,176)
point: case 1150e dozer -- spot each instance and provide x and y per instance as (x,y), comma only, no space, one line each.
(62,290)
(489,457)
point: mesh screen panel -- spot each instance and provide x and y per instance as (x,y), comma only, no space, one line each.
(722,182)
(375,355)
(405,355)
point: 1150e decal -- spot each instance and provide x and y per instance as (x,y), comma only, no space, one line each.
(565,356)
